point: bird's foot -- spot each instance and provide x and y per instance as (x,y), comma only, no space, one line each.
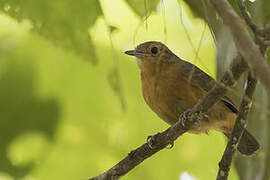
(199,119)
(198,124)
(151,140)
(185,119)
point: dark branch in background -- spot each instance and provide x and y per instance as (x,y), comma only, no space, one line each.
(240,124)
(168,136)
(245,45)
(262,36)
(265,35)
(246,16)
(241,121)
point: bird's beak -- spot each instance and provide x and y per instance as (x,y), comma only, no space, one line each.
(137,53)
(131,52)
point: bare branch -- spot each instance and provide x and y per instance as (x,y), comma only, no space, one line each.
(239,127)
(246,16)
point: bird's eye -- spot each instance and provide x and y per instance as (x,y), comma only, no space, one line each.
(154,50)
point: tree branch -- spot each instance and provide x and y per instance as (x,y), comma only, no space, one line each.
(168,136)
(240,124)
(246,46)
(261,35)
(246,16)
(265,35)
(238,129)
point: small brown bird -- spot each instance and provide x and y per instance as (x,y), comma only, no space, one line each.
(171,85)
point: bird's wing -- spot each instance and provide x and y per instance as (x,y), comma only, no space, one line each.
(228,102)
(199,78)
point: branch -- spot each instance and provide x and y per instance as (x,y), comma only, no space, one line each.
(265,35)
(246,46)
(267,32)
(238,129)
(261,35)
(246,16)
(241,121)
(189,117)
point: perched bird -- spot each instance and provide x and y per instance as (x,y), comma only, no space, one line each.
(171,85)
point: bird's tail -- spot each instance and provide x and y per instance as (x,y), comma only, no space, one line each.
(248,144)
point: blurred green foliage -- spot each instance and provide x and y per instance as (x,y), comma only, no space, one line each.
(65,23)
(60,115)
(22,111)
(143,8)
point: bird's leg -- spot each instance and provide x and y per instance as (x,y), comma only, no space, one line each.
(151,140)
(199,124)
(184,119)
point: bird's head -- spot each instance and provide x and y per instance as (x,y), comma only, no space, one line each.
(151,52)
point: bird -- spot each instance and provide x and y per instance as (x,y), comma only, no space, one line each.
(171,85)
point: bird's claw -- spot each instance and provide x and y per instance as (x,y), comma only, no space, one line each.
(199,123)
(184,117)
(151,140)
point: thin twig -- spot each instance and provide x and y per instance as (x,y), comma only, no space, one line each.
(246,16)
(239,127)
(114,77)
(195,50)
(168,136)
(260,34)
(265,35)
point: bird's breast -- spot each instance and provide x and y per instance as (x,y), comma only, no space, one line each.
(158,91)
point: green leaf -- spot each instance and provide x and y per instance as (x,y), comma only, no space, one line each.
(65,23)
(143,8)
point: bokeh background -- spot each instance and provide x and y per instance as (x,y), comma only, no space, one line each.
(70,100)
